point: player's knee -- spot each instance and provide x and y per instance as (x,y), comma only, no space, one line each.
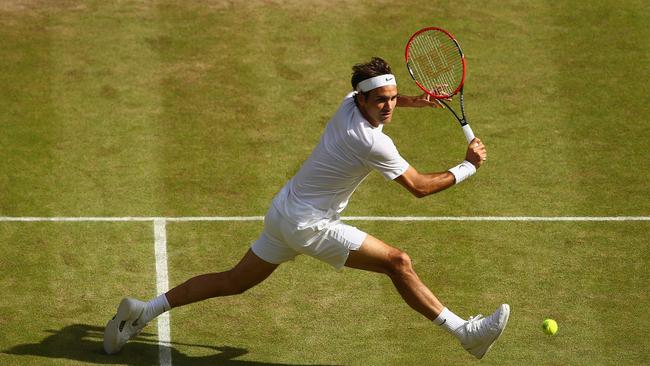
(400,263)
(236,284)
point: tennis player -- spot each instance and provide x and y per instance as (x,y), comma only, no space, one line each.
(304,218)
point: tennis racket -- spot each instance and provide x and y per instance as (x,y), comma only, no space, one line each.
(437,64)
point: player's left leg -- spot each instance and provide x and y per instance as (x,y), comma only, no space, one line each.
(249,272)
(133,315)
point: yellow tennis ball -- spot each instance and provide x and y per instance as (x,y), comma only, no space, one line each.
(549,326)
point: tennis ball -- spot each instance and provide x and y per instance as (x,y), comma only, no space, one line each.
(549,326)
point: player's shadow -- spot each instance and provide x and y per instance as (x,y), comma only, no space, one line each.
(82,342)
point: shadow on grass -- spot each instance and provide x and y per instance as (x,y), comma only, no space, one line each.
(82,342)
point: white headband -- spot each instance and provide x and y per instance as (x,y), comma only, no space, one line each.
(376,82)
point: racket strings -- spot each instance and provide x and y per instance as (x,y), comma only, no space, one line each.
(438,57)
(435,69)
(445,68)
(436,62)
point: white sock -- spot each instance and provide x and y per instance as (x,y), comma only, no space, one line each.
(449,321)
(155,307)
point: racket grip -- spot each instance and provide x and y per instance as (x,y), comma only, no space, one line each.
(469,134)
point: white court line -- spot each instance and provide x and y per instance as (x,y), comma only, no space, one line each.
(349,218)
(497,218)
(128,218)
(162,286)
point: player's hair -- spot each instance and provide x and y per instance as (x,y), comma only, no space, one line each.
(375,67)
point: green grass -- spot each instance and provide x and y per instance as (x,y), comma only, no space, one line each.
(58,278)
(172,108)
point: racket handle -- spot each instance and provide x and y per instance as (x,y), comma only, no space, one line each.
(469,134)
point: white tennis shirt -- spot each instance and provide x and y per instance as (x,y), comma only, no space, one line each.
(349,149)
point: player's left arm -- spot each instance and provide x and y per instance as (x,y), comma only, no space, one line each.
(419,101)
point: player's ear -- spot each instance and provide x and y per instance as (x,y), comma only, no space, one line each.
(361,99)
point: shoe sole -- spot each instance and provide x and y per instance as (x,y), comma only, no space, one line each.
(505,312)
(111,333)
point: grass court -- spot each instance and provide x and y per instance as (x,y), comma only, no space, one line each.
(168,109)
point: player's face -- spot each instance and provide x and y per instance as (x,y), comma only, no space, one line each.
(378,107)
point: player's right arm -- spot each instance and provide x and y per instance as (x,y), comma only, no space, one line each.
(424,184)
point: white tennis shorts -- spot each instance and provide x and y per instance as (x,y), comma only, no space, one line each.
(282,240)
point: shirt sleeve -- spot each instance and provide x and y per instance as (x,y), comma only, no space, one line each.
(384,157)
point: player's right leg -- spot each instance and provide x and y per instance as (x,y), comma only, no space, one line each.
(476,335)
(376,256)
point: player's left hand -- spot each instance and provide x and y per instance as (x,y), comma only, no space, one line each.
(420,101)
(425,100)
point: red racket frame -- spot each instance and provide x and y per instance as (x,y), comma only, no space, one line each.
(460,51)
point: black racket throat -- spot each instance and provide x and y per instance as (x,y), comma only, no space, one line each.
(462,119)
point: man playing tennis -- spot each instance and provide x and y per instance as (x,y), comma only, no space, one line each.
(304,218)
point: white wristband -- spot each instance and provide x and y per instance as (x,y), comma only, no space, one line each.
(463,171)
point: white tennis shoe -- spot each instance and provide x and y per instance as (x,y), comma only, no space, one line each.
(478,334)
(124,325)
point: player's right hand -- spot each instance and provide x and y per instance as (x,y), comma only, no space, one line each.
(476,152)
